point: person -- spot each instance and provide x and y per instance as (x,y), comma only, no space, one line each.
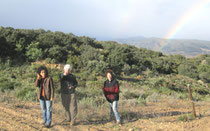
(45,94)
(111,93)
(68,85)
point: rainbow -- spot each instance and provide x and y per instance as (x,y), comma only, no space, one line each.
(183,20)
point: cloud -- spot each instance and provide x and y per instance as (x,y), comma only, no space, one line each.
(107,18)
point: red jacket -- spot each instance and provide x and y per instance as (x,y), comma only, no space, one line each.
(111,90)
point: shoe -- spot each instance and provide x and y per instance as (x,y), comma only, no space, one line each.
(119,123)
(72,123)
(43,123)
(66,120)
(47,125)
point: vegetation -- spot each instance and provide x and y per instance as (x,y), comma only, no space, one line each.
(144,75)
(185,118)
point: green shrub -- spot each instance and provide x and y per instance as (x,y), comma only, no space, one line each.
(81,95)
(90,102)
(183,95)
(188,69)
(204,76)
(33,52)
(141,101)
(186,118)
(154,98)
(130,95)
(6,84)
(27,94)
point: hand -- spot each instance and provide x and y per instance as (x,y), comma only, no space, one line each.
(38,76)
(71,87)
(51,99)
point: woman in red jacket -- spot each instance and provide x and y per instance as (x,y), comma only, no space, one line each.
(111,92)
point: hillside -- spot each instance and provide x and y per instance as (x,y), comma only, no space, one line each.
(188,48)
(153,93)
(92,58)
(147,102)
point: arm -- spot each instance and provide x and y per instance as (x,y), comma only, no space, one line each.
(52,89)
(75,82)
(104,91)
(61,76)
(117,89)
(37,82)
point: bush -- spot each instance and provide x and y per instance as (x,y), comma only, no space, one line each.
(154,98)
(91,102)
(189,70)
(130,95)
(27,94)
(33,52)
(141,101)
(81,95)
(205,77)
(186,118)
(6,84)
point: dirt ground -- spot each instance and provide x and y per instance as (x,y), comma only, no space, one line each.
(161,116)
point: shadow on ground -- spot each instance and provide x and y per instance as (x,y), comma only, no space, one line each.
(134,116)
(126,117)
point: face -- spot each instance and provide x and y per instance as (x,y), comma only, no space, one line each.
(43,73)
(109,76)
(67,71)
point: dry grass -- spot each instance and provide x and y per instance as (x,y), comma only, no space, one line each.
(155,115)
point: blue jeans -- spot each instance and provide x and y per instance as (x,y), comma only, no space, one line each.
(46,106)
(114,111)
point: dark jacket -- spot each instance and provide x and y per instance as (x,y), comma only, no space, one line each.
(67,82)
(48,88)
(111,90)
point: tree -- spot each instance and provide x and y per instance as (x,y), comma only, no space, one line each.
(33,52)
(204,71)
(164,65)
(205,77)
(188,69)
(4,50)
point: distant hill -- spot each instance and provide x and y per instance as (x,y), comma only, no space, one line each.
(188,48)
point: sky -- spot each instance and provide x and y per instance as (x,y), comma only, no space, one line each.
(111,19)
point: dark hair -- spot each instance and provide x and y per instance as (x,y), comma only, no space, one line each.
(109,71)
(42,68)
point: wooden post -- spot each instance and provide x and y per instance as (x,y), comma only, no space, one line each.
(191,99)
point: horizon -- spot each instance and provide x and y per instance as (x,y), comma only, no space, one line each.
(108,39)
(108,20)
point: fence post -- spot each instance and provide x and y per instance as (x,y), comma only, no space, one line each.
(191,99)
